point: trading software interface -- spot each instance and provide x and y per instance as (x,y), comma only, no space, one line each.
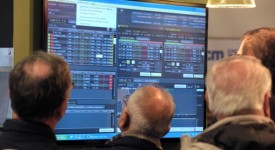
(113,49)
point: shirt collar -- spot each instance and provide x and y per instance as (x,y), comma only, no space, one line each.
(140,136)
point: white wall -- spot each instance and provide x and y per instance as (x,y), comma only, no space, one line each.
(233,22)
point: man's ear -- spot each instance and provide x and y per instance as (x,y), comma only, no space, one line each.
(63,107)
(266,106)
(124,120)
(167,130)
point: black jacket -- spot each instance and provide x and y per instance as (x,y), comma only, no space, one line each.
(247,132)
(129,143)
(23,135)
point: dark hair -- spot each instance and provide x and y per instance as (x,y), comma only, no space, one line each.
(37,96)
(261,43)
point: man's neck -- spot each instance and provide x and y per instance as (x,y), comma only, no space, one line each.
(141,136)
(49,122)
(243,112)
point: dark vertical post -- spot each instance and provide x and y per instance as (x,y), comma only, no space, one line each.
(6,23)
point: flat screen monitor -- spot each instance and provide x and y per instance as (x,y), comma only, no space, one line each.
(115,46)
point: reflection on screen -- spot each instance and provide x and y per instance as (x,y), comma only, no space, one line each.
(114,47)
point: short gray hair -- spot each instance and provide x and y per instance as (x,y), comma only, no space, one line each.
(237,83)
(151,110)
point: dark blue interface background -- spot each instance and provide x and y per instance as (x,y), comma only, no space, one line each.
(115,47)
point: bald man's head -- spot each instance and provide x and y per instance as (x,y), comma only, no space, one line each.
(150,110)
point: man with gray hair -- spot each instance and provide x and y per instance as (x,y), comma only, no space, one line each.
(144,120)
(238,93)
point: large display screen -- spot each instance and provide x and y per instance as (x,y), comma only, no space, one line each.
(115,46)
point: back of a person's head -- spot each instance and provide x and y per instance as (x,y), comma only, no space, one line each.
(151,110)
(39,85)
(261,44)
(237,84)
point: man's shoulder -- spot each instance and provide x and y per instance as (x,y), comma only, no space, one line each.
(246,126)
(188,144)
(128,143)
(22,135)
(231,136)
(242,131)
